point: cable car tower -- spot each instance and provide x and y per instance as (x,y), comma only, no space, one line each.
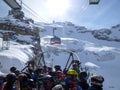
(15,9)
(5,42)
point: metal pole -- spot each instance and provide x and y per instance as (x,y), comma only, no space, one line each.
(54,31)
(68,60)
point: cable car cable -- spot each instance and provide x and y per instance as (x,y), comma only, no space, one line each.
(34,13)
(84,7)
(39,18)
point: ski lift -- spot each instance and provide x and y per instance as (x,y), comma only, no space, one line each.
(55,40)
(93,2)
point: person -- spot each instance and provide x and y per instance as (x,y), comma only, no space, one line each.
(60,75)
(10,83)
(83,80)
(60,78)
(50,71)
(57,68)
(13,69)
(75,67)
(1,80)
(71,80)
(58,87)
(48,82)
(23,79)
(96,83)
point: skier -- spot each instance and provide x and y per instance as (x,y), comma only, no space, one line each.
(71,81)
(10,83)
(96,83)
(83,80)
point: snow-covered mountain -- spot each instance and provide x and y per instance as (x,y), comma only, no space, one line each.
(100,47)
(19,42)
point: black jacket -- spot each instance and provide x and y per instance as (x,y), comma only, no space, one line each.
(95,88)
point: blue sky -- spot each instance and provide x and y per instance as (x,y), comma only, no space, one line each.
(104,15)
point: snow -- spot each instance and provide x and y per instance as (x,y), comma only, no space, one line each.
(98,49)
(102,57)
(91,65)
(17,55)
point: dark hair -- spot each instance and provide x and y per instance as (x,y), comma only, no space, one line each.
(10,79)
(57,67)
(97,81)
(13,69)
(83,75)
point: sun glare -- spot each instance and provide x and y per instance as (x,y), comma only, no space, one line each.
(57,7)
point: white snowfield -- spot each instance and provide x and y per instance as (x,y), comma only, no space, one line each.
(17,55)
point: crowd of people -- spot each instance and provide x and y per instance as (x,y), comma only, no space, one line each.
(40,79)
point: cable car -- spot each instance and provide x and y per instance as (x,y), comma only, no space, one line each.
(55,40)
(93,2)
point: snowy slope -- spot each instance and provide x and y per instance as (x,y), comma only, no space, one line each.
(17,55)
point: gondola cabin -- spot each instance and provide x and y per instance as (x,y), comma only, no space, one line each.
(55,40)
(94,2)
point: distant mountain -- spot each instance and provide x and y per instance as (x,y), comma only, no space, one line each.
(100,44)
(100,34)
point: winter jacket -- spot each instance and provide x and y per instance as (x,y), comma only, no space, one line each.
(95,88)
(72,85)
(84,85)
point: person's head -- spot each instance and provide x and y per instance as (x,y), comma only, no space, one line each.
(83,75)
(11,77)
(59,73)
(10,80)
(24,81)
(72,74)
(58,87)
(75,66)
(22,77)
(29,70)
(17,72)
(13,69)
(49,69)
(57,67)
(97,81)
(39,71)
(48,81)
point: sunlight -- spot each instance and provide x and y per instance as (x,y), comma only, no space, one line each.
(57,7)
